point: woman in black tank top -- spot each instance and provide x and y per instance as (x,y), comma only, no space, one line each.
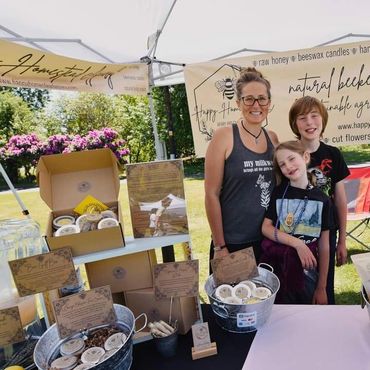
(238,170)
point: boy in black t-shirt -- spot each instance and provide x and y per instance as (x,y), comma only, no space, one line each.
(308,118)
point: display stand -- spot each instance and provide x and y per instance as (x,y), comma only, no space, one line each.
(131,246)
(140,245)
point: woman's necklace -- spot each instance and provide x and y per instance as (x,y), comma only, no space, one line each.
(251,133)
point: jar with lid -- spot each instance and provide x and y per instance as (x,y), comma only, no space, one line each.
(19,238)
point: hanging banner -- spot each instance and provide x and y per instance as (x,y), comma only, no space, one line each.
(338,75)
(22,66)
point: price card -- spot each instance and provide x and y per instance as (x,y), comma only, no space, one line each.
(234,267)
(11,330)
(176,279)
(44,272)
(84,310)
(201,338)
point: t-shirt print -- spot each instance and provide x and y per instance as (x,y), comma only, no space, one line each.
(322,173)
(300,216)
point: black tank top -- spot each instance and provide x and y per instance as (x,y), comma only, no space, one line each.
(246,189)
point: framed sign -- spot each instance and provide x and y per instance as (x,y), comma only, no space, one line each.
(157,198)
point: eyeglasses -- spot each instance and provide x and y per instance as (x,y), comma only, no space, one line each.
(250,100)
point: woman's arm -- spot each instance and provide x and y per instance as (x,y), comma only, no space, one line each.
(320,296)
(213,176)
(340,201)
(307,258)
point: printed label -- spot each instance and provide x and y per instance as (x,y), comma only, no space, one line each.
(246,319)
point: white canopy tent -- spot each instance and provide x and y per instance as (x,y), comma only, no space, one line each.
(176,32)
(168,34)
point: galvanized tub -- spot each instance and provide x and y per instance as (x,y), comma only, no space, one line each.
(47,348)
(246,317)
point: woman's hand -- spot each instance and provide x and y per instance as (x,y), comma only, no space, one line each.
(221,253)
(319,296)
(307,258)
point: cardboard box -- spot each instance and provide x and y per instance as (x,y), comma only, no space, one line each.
(65,180)
(128,272)
(184,309)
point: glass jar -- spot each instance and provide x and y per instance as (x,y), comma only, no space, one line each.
(19,238)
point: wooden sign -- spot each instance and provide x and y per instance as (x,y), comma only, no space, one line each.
(44,272)
(84,310)
(234,267)
(202,342)
(176,279)
(157,198)
(11,330)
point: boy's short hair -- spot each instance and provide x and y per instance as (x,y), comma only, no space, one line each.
(303,106)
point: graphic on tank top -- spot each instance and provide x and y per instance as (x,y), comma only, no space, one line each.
(321,172)
(258,167)
(265,190)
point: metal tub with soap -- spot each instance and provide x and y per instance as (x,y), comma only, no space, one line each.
(244,307)
(107,347)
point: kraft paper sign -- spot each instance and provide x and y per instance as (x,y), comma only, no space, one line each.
(157,198)
(201,338)
(234,267)
(11,330)
(84,310)
(43,272)
(176,279)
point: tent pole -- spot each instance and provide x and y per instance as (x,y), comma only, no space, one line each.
(11,187)
(158,147)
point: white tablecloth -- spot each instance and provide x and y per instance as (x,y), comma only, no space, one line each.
(312,338)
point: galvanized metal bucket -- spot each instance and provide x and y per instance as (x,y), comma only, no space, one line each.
(246,317)
(47,348)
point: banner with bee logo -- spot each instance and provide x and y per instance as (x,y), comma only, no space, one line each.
(338,75)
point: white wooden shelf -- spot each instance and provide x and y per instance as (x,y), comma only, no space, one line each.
(133,246)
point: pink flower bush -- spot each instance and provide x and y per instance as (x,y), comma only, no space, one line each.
(25,150)
(22,148)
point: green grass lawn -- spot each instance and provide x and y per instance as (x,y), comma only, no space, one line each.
(347,281)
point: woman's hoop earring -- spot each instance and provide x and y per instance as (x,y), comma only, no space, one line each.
(267,122)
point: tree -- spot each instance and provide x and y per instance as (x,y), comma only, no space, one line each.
(128,115)
(133,121)
(78,114)
(16,118)
(89,112)
(180,112)
(36,99)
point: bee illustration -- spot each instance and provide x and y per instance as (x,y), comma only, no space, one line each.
(227,87)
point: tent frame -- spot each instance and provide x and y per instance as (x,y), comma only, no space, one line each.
(149,59)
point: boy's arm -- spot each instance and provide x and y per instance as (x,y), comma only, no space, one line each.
(320,296)
(340,201)
(308,260)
